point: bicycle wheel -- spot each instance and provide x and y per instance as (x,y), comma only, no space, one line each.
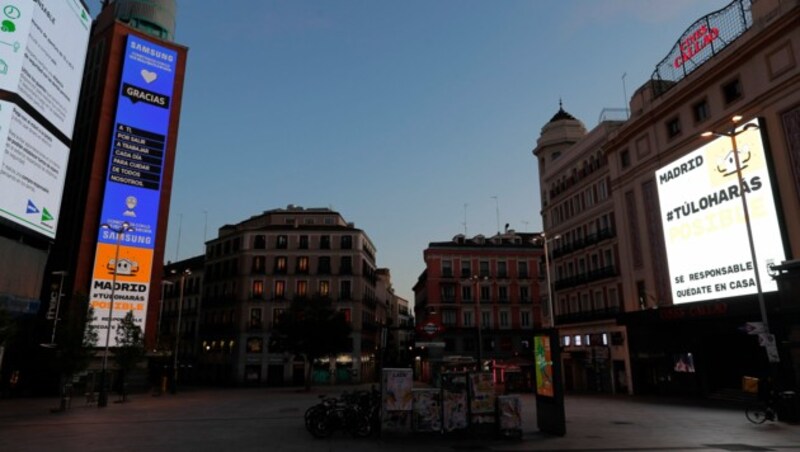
(756,414)
(319,426)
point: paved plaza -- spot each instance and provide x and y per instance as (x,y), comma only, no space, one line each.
(259,419)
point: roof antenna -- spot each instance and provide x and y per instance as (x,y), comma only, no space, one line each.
(497,207)
(625,96)
(465,219)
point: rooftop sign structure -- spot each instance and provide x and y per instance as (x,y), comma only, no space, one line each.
(701,41)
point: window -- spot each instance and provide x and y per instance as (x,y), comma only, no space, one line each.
(259,242)
(485,293)
(449,318)
(346,266)
(502,294)
(525,319)
(302,288)
(467,318)
(348,315)
(280,264)
(625,158)
(280,289)
(466,269)
(524,294)
(673,127)
(586,305)
(448,293)
(502,271)
(466,293)
(504,323)
(701,111)
(447,269)
(347,242)
(282,242)
(302,264)
(325,242)
(255,345)
(344,290)
(324,265)
(599,303)
(303,242)
(602,190)
(732,91)
(486,319)
(522,269)
(258,288)
(484,268)
(613,300)
(324,288)
(277,315)
(258,264)
(255,318)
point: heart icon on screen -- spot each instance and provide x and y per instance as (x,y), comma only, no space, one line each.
(148,76)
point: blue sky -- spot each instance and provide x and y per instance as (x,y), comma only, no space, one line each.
(396,114)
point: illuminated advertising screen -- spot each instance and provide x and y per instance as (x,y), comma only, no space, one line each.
(543,364)
(704,224)
(133,185)
(42,54)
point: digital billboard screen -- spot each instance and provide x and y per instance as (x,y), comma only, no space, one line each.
(705,232)
(133,185)
(42,54)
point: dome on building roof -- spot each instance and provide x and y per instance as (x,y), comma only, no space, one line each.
(561,114)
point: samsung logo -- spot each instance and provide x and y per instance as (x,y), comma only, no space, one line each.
(153,52)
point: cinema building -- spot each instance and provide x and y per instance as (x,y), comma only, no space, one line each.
(707,217)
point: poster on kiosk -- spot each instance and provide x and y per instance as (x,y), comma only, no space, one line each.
(550,416)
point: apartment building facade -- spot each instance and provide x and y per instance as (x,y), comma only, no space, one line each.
(255,268)
(477,301)
(583,253)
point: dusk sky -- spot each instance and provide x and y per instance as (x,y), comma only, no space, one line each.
(396,114)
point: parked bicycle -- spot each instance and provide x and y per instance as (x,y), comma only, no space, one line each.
(760,413)
(352,412)
(767,411)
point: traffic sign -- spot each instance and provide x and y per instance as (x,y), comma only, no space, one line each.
(753,328)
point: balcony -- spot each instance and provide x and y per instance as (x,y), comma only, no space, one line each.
(589,240)
(588,316)
(586,278)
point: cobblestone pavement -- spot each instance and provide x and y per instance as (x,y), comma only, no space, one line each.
(261,419)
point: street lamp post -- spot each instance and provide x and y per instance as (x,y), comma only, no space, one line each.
(551,314)
(102,399)
(164,284)
(732,134)
(178,332)
(475,279)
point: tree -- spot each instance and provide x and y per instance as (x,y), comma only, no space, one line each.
(76,341)
(313,329)
(130,348)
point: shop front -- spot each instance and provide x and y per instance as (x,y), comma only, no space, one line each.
(698,349)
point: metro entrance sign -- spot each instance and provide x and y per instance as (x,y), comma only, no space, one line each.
(430,328)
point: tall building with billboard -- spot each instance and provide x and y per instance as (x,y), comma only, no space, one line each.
(706,225)
(707,214)
(42,56)
(120,169)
